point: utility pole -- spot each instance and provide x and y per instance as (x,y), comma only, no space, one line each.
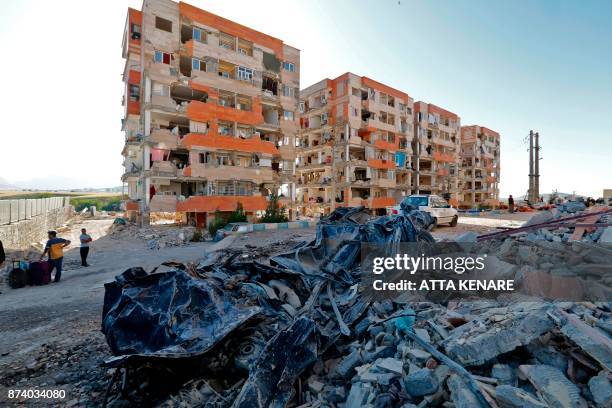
(536,166)
(531,183)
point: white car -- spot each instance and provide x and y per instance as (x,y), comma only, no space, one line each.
(440,210)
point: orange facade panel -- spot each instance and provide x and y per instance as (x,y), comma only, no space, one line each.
(489,132)
(384,88)
(231,28)
(221,203)
(491,179)
(381,164)
(382,202)
(442,112)
(211,111)
(442,172)
(216,142)
(443,157)
(133,108)
(389,146)
(134,18)
(134,77)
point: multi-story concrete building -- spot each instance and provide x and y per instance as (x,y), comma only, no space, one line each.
(210,113)
(480,164)
(354,146)
(436,152)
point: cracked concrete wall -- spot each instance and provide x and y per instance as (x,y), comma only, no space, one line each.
(23,234)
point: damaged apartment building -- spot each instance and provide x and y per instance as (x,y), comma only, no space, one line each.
(436,152)
(210,114)
(480,165)
(354,145)
(214,117)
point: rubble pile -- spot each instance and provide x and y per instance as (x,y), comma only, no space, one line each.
(156,237)
(243,329)
(566,223)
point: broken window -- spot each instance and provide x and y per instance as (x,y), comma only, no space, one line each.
(163,57)
(270,85)
(245,47)
(226,99)
(134,92)
(163,24)
(227,41)
(288,66)
(198,65)
(135,30)
(270,62)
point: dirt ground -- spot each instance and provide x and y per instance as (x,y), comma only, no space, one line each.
(51,335)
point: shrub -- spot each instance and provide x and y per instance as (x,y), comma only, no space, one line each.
(239,215)
(274,213)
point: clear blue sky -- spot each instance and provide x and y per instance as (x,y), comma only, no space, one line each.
(510,66)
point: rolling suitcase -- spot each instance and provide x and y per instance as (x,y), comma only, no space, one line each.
(17,278)
(39,273)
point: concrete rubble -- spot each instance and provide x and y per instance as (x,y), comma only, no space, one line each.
(304,335)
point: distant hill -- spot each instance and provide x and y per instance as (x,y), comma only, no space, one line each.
(5,185)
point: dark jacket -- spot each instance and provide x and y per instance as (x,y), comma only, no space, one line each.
(2,255)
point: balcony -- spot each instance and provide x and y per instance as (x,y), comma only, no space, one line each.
(222,203)
(161,202)
(381,164)
(443,157)
(228,143)
(210,111)
(212,172)
(164,139)
(163,169)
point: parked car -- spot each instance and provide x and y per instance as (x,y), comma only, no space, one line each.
(440,210)
(231,229)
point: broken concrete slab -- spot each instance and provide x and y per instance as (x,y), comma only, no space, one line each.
(504,374)
(473,344)
(390,364)
(461,395)
(421,382)
(555,388)
(601,389)
(513,397)
(591,340)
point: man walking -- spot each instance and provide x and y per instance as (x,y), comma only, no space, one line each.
(55,248)
(511,204)
(85,240)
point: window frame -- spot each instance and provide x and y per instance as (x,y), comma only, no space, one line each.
(163,20)
(203,35)
(288,66)
(162,53)
(244,70)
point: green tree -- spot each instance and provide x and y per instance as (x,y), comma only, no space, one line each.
(274,212)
